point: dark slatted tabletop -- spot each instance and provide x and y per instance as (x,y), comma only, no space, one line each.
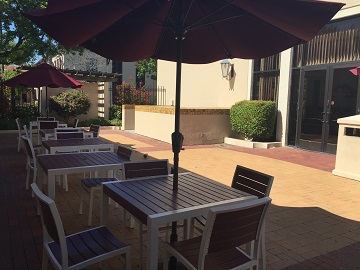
(73,142)
(150,196)
(76,160)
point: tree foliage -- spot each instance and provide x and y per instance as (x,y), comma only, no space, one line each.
(70,104)
(146,66)
(21,41)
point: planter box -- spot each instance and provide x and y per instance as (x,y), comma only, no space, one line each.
(251,144)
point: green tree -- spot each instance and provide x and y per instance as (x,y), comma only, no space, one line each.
(70,104)
(146,65)
(20,40)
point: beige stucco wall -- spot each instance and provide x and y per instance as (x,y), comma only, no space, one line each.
(203,85)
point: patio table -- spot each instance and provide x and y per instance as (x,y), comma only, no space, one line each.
(70,145)
(153,202)
(34,124)
(59,164)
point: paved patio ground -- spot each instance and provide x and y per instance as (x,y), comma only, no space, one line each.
(313,222)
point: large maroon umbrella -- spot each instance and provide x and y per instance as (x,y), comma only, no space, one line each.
(355,71)
(185,31)
(44,75)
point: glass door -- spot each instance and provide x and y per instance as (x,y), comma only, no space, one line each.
(326,94)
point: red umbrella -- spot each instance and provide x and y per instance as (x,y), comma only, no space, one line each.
(185,31)
(44,75)
(355,71)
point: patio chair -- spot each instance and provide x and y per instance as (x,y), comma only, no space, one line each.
(65,136)
(250,181)
(92,185)
(138,169)
(30,160)
(79,250)
(95,129)
(227,228)
(46,125)
(20,132)
(37,147)
(76,122)
(69,135)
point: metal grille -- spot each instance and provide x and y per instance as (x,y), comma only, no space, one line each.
(337,42)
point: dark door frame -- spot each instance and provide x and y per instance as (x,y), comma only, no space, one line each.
(329,69)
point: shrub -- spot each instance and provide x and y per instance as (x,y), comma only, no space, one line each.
(253,119)
(96,121)
(25,112)
(69,104)
(115,112)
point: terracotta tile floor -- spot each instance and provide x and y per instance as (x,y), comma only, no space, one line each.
(313,223)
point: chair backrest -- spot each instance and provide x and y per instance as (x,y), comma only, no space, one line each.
(51,222)
(124,152)
(230,226)
(251,181)
(136,169)
(48,124)
(29,149)
(45,119)
(26,132)
(95,129)
(18,124)
(76,122)
(69,135)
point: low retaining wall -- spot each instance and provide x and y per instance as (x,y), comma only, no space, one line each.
(198,125)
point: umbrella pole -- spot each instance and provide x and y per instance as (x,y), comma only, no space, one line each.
(177,139)
(46,103)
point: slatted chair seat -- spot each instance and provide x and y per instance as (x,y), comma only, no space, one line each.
(91,243)
(227,228)
(225,259)
(92,185)
(79,250)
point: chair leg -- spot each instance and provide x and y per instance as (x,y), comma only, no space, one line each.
(65,183)
(19,141)
(81,201)
(128,260)
(91,203)
(27,178)
(45,260)
(141,250)
(262,248)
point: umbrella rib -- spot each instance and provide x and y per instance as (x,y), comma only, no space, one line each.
(190,27)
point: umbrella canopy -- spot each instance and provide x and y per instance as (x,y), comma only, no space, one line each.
(355,71)
(44,75)
(185,31)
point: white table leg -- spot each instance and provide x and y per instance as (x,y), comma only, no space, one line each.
(51,185)
(152,236)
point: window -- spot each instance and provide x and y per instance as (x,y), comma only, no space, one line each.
(266,78)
